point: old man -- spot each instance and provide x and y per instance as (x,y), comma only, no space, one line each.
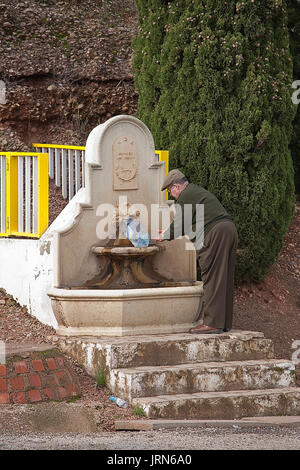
(217,255)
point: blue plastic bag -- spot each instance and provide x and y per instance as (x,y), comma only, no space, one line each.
(135,234)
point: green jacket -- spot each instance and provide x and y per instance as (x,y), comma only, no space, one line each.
(214,212)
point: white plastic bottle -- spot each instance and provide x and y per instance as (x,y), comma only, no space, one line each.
(119,401)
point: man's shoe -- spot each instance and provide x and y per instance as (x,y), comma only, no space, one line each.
(205,330)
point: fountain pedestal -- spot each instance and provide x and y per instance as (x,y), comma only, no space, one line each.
(128,268)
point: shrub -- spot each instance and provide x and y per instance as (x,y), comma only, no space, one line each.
(214,86)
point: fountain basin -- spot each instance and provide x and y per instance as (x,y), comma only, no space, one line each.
(127,251)
(152,310)
(128,268)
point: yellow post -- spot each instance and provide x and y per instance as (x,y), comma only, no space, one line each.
(12,199)
(43,194)
(163,155)
(11,194)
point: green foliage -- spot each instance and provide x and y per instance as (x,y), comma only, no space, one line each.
(214,84)
(138,411)
(294,29)
(101,378)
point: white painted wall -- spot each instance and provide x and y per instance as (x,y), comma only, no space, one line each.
(26,273)
(27,266)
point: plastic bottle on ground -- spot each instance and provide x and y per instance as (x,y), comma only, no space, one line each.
(119,401)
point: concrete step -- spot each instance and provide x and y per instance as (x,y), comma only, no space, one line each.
(203,377)
(222,405)
(106,353)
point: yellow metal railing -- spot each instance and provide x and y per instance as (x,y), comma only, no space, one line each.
(62,159)
(24,195)
(66,166)
(54,146)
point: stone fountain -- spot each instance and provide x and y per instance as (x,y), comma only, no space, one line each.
(127,266)
(103,283)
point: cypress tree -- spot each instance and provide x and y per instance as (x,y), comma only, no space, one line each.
(214,83)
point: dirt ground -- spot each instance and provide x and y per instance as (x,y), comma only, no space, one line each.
(272,307)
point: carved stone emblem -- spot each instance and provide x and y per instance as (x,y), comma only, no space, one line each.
(124,163)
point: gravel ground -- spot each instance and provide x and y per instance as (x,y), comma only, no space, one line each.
(231,438)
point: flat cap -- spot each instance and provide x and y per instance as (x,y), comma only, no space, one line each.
(173,177)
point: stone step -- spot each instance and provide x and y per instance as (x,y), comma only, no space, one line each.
(222,405)
(203,377)
(105,353)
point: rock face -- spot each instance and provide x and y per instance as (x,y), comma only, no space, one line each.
(66,67)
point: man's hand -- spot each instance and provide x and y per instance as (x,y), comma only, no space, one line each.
(160,236)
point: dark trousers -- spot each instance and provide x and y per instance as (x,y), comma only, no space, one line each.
(217,264)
